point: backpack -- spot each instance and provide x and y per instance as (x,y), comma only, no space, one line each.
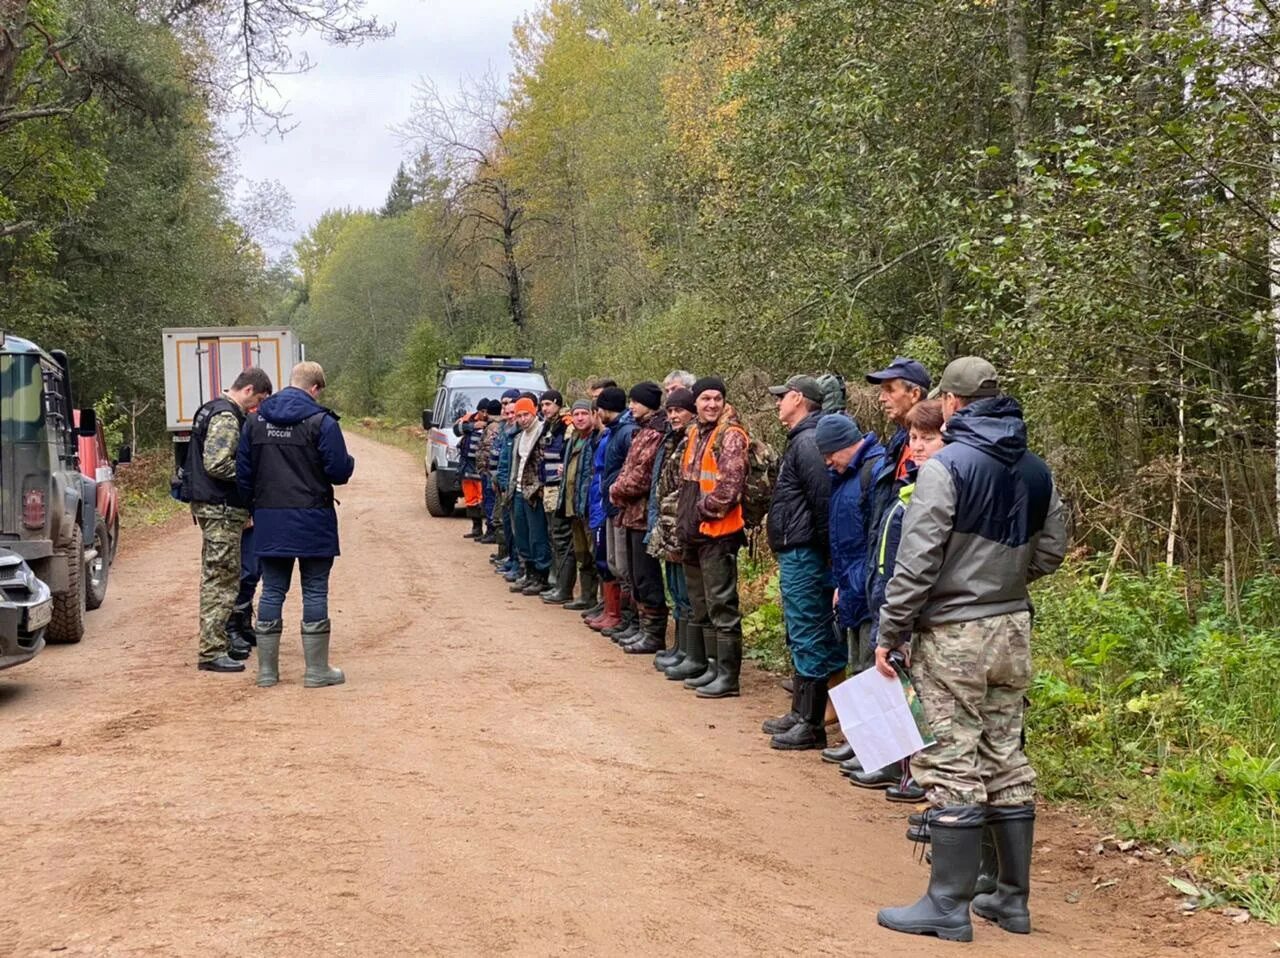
(834,394)
(762,476)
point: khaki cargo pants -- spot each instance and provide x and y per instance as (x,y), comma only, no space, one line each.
(220,529)
(971,678)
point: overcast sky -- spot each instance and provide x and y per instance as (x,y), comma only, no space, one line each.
(342,151)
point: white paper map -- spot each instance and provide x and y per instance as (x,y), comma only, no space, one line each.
(876,719)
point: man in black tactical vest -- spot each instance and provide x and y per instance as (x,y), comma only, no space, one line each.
(291,457)
(221,512)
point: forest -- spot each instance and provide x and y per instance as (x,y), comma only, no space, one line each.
(1085,193)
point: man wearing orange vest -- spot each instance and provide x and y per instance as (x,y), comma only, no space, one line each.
(713,473)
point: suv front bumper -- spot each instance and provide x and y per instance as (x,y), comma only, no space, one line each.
(25,610)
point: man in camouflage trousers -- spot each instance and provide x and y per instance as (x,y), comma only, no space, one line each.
(221,512)
(984,521)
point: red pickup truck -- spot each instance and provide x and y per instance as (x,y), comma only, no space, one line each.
(96,464)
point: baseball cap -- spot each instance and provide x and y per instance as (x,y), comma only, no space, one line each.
(806,386)
(902,367)
(971,377)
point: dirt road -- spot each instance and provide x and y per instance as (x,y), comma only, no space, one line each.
(493,778)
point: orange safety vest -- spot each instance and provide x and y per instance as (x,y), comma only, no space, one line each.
(709,478)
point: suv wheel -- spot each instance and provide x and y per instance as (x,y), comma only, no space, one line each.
(437,504)
(67,625)
(98,569)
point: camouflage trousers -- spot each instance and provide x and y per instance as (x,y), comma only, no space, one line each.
(220,528)
(971,678)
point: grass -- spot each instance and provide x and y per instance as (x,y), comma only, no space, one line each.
(407,436)
(144,491)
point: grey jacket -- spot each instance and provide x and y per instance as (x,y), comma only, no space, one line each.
(984,521)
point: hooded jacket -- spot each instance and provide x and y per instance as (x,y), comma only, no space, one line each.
(984,520)
(596,512)
(798,511)
(850,528)
(630,490)
(620,432)
(291,456)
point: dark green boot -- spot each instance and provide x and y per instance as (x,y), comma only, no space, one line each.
(268,635)
(673,656)
(1013,829)
(315,649)
(711,669)
(728,664)
(956,833)
(694,662)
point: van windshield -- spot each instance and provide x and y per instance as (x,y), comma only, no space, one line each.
(21,407)
(464,399)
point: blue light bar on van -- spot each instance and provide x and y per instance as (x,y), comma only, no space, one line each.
(495,362)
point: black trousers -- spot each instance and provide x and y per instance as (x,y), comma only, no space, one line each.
(646,572)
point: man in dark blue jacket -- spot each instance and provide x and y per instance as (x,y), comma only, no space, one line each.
(853,460)
(903,383)
(797,529)
(620,431)
(291,456)
(984,520)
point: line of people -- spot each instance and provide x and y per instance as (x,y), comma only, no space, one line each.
(911,554)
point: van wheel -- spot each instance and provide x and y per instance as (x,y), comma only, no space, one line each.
(67,624)
(437,505)
(98,570)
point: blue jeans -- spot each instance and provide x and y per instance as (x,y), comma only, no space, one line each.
(487,499)
(678,590)
(276,573)
(807,589)
(531,533)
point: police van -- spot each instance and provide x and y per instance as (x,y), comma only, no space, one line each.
(459,388)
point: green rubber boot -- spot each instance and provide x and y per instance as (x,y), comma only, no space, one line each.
(315,649)
(268,636)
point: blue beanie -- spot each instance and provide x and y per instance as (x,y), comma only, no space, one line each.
(511,394)
(835,432)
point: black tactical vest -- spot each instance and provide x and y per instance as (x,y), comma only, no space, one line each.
(203,487)
(287,470)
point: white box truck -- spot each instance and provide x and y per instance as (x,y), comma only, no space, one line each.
(201,361)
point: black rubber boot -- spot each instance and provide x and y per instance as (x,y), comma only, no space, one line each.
(851,766)
(628,630)
(694,662)
(477,524)
(728,665)
(880,778)
(989,869)
(944,909)
(653,631)
(711,668)
(587,588)
(537,583)
(809,732)
(269,653)
(838,753)
(783,722)
(240,626)
(1012,828)
(675,655)
(563,583)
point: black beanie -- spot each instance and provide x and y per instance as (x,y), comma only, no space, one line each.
(709,382)
(681,399)
(494,408)
(482,405)
(554,396)
(647,394)
(612,399)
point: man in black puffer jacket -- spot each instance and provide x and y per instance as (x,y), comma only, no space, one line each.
(797,527)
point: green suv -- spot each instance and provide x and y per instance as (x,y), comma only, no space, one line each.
(47,508)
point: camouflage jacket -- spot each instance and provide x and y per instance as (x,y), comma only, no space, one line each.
(630,491)
(664,539)
(220,445)
(731,458)
(485,459)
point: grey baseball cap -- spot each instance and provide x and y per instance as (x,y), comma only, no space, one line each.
(806,386)
(971,377)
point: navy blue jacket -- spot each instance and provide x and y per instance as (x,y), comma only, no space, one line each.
(850,529)
(308,531)
(620,432)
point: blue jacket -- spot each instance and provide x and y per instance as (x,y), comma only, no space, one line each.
(506,447)
(586,448)
(308,532)
(885,490)
(620,432)
(850,529)
(885,553)
(596,513)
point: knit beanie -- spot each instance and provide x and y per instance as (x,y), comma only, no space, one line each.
(511,394)
(494,408)
(710,382)
(681,399)
(835,432)
(581,404)
(525,404)
(647,394)
(612,399)
(554,396)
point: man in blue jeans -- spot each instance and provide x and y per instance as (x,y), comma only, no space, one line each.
(798,535)
(291,456)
